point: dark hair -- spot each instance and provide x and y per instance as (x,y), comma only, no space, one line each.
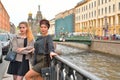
(45,22)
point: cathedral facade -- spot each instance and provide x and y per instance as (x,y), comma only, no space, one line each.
(34,22)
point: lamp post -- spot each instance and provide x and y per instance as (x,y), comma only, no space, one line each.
(106,27)
(82,29)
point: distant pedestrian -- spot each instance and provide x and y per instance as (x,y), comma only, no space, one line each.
(44,51)
(23,45)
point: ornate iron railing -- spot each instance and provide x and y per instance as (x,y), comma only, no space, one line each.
(65,70)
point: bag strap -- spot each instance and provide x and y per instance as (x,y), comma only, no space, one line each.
(45,43)
(45,50)
(46,56)
(11,46)
(10,49)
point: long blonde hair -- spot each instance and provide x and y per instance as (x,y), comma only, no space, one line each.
(29,34)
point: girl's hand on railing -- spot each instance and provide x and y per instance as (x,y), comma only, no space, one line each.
(52,54)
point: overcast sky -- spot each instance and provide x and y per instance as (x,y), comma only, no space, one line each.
(18,9)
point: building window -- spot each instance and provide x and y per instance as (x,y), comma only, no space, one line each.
(95,13)
(86,7)
(79,10)
(94,3)
(113,7)
(109,9)
(82,17)
(105,1)
(105,10)
(92,13)
(102,2)
(99,12)
(86,16)
(79,18)
(102,11)
(119,5)
(98,2)
(89,6)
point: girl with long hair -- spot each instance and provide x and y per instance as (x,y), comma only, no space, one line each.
(23,45)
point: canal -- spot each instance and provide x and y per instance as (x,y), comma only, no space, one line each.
(102,65)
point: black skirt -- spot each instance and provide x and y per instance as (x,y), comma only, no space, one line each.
(18,68)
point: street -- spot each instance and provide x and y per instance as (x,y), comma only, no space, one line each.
(3,67)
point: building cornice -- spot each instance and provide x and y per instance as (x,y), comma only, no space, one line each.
(82,3)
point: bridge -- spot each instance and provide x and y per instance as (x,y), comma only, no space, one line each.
(79,39)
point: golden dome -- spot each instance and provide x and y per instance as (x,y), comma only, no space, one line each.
(30,14)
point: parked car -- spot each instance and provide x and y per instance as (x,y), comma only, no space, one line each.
(62,39)
(117,36)
(1,53)
(5,41)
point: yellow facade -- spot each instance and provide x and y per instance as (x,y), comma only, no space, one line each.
(98,17)
(52,27)
(64,13)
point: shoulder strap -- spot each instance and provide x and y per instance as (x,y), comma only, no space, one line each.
(45,43)
(11,46)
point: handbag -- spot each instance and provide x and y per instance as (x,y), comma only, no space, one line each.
(11,55)
(46,71)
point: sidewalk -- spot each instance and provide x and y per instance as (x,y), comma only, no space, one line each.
(10,77)
(7,76)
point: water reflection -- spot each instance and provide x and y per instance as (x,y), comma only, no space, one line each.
(102,65)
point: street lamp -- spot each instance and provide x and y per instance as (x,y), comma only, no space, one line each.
(82,29)
(105,27)
(61,31)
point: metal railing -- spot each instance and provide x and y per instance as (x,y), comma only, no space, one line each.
(65,70)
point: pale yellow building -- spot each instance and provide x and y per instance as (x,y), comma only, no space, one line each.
(64,13)
(98,17)
(51,30)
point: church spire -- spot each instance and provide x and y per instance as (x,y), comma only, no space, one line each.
(38,15)
(38,7)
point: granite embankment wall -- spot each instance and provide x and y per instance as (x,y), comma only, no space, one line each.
(104,46)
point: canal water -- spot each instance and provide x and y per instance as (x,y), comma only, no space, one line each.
(105,66)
